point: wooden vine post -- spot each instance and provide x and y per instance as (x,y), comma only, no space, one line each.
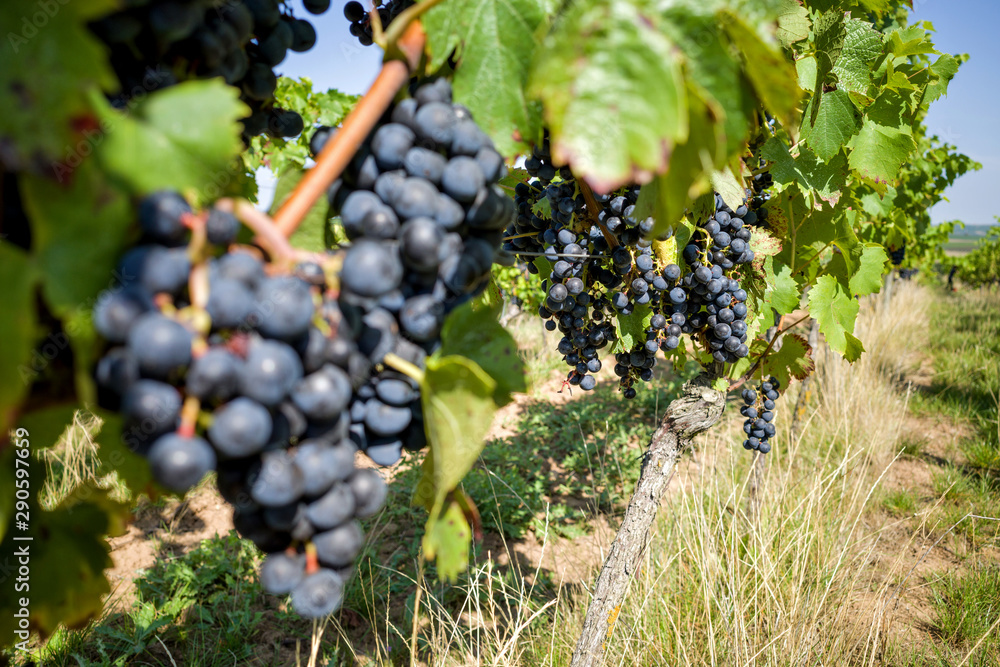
(697,409)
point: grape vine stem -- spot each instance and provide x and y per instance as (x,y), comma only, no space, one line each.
(268,236)
(593,208)
(340,149)
(767,350)
(395,362)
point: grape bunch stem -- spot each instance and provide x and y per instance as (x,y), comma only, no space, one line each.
(767,350)
(340,149)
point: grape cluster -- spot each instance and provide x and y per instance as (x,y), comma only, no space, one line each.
(278,378)
(758,409)
(715,303)
(897,255)
(156,43)
(603,266)
(421,206)
(257,385)
(361,26)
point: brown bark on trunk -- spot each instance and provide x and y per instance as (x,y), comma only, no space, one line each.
(696,410)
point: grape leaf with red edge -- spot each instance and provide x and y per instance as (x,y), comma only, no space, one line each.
(614,92)
(792,360)
(764,245)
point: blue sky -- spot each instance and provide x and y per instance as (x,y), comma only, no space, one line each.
(968,117)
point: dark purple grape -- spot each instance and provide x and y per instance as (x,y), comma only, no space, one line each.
(178,463)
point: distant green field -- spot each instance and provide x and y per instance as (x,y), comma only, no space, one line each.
(960,246)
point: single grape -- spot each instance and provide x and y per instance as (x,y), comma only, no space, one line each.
(286,307)
(322,395)
(160,345)
(278,482)
(280,573)
(161,216)
(221,227)
(269,373)
(322,464)
(240,428)
(230,303)
(178,463)
(319,594)
(340,546)
(117,310)
(332,508)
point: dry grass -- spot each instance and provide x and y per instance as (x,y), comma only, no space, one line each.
(811,582)
(816,578)
(74,461)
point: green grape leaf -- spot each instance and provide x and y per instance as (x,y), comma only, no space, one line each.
(17,329)
(782,291)
(542,208)
(792,360)
(729,187)
(476,335)
(667,197)
(806,69)
(714,76)
(79,230)
(944,70)
(879,151)
(772,75)
(830,31)
(836,311)
(793,23)
(829,123)
(598,55)
(494,42)
(68,554)
(910,41)
(162,144)
(48,62)
(868,261)
(631,329)
(447,538)
(809,172)
(513,177)
(862,45)
(457,398)
(311,233)
(316,108)
(667,252)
